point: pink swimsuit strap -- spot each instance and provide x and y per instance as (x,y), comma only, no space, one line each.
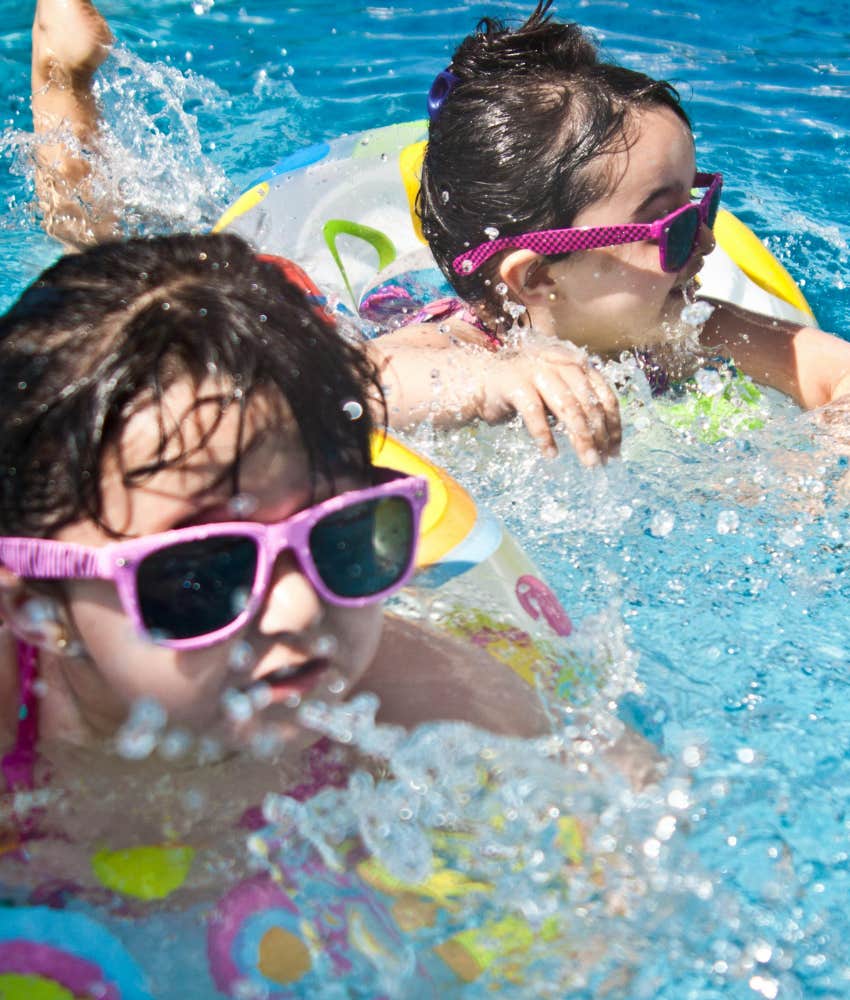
(18,765)
(448,308)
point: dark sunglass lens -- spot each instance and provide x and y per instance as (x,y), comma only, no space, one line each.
(681,239)
(713,206)
(196,588)
(365,548)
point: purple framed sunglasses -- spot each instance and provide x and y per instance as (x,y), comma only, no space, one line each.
(193,587)
(677,234)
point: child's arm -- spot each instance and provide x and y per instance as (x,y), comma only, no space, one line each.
(811,366)
(451,375)
(70,40)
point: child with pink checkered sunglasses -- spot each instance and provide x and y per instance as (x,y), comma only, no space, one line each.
(561,196)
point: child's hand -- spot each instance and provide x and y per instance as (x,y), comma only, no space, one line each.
(451,375)
(555,380)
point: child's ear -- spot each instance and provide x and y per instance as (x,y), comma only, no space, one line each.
(34,616)
(527,276)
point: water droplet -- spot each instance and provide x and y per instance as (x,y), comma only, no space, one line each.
(175,744)
(697,313)
(260,696)
(242,505)
(728,522)
(238,706)
(709,382)
(662,523)
(324,646)
(352,409)
(241,656)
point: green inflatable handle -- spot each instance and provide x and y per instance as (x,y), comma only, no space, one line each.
(380,243)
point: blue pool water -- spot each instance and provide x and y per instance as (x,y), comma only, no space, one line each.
(713,575)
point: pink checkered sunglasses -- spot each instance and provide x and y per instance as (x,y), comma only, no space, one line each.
(193,587)
(677,234)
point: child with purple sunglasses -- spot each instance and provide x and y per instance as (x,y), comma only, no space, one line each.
(557,195)
(189,514)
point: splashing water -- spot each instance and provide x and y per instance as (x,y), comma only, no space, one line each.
(719,640)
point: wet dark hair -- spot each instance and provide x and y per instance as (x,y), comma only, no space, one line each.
(108,331)
(508,148)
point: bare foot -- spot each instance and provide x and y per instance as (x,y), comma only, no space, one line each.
(70,39)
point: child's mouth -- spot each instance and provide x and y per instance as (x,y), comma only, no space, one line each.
(288,682)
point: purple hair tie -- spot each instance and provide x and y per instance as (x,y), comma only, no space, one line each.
(444,83)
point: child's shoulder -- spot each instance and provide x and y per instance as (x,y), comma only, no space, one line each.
(421,675)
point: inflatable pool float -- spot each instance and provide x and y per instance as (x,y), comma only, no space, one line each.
(344,210)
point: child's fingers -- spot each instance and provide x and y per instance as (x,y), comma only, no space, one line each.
(586,435)
(599,409)
(597,398)
(609,405)
(528,404)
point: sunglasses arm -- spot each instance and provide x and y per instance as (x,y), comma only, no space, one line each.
(45,559)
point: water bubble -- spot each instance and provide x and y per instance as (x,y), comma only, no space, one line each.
(652,847)
(201,7)
(491,233)
(762,952)
(709,382)
(241,656)
(697,313)
(266,743)
(239,600)
(260,696)
(766,986)
(324,646)
(238,706)
(665,828)
(38,611)
(445,197)
(501,289)
(352,409)
(692,756)
(147,713)
(337,684)
(662,523)
(135,744)
(175,743)
(728,522)
(242,505)
(467,266)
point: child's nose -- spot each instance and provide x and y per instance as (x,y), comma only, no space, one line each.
(291,604)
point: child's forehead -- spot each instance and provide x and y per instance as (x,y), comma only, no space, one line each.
(659,153)
(179,456)
(209,421)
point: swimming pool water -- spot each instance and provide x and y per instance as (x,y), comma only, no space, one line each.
(715,574)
